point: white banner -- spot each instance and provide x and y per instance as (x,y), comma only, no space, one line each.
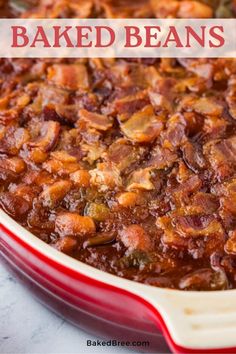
(127,38)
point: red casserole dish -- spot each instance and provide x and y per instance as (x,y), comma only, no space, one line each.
(112,307)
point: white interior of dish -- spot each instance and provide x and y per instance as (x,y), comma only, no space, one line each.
(199,320)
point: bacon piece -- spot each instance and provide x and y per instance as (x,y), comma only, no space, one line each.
(134,237)
(93,151)
(61,163)
(230,246)
(175,134)
(143,126)
(160,102)
(207,106)
(228,203)
(13,140)
(215,127)
(197,225)
(206,202)
(162,158)
(170,237)
(126,106)
(193,157)
(122,154)
(52,95)
(71,76)
(183,192)
(73,224)
(95,120)
(49,136)
(204,70)
(231,96)
(105,177)
(222,156)
(141,179)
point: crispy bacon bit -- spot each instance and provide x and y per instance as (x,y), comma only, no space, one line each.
(49,136)
(197,225)
(53,96)
(126,106)
(71,77)
(230,246)
(206,202)
(92,152)
(122,154)
(160,102)
(95,120)
(143,126)
(141,179)
(222,157)
(207,106)
(175,133)
(61,163)
(228,203)
(162,158)
(204,70)
(72,224)
(55,193)
(231,97)
(193,157)
(134,237)
(105,177)
(13,140)
(184,191)
(170,237)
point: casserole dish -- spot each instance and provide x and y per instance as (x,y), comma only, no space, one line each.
(191,322)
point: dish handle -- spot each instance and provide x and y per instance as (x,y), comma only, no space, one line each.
(194,322)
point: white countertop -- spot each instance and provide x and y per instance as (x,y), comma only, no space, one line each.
(26,327)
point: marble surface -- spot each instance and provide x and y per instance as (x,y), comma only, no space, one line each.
(26,327)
